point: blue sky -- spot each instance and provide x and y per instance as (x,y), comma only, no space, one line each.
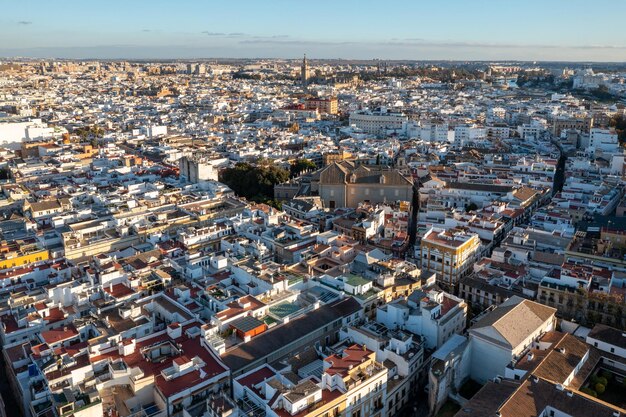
(387,29)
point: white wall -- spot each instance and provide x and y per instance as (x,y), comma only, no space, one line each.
(488,360)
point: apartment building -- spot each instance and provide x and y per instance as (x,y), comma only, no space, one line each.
(324,105)
(449,253)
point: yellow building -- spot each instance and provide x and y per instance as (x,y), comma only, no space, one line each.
(322,105)
(356,373)
(21,252)
(449,253)
(331,158)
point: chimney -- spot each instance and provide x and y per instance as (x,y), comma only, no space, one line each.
(174,330)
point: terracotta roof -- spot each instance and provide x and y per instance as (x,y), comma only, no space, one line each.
(352,356)
(57,335)
(562,359)
(486,402)
(119,290)
(257,376)
(345,172)
(536,394)
(524,193)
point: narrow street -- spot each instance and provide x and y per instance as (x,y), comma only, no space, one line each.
(10,402)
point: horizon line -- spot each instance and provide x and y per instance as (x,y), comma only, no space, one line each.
(450,60)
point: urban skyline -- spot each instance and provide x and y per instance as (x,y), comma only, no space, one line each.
(329,209)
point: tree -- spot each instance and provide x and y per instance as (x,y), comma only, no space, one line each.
(274,203)
(589,391)
(93,133)
(607,375)
(600,388)
(619,123)
(471,207)
(602,93)
(254,182)
(301,165)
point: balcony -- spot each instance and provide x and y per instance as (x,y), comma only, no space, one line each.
(362,375)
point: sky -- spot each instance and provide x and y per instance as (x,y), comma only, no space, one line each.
(552,30)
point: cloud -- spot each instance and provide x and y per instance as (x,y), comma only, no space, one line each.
(225,35)
(24,22)
(243,35)
(270,37)
(274,41)
(422,43)
(146,30)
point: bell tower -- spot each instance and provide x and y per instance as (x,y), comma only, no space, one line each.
(304,73)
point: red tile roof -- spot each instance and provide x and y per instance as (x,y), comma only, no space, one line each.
(119,291)
(352,356)
(257,376)
(57,335)
(190,348)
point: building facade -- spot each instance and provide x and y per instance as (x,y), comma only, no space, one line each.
(346,185)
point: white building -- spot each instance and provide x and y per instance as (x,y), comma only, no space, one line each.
(435,315)
(14,133)
(608,339)
(505,333)
(379,121)
(468,133)
(587,79)
(199,168)
(154,131)
(448,371)
(602,140)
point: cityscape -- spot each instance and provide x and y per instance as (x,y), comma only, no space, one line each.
(246,224)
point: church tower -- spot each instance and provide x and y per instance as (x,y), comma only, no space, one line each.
(304,73)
